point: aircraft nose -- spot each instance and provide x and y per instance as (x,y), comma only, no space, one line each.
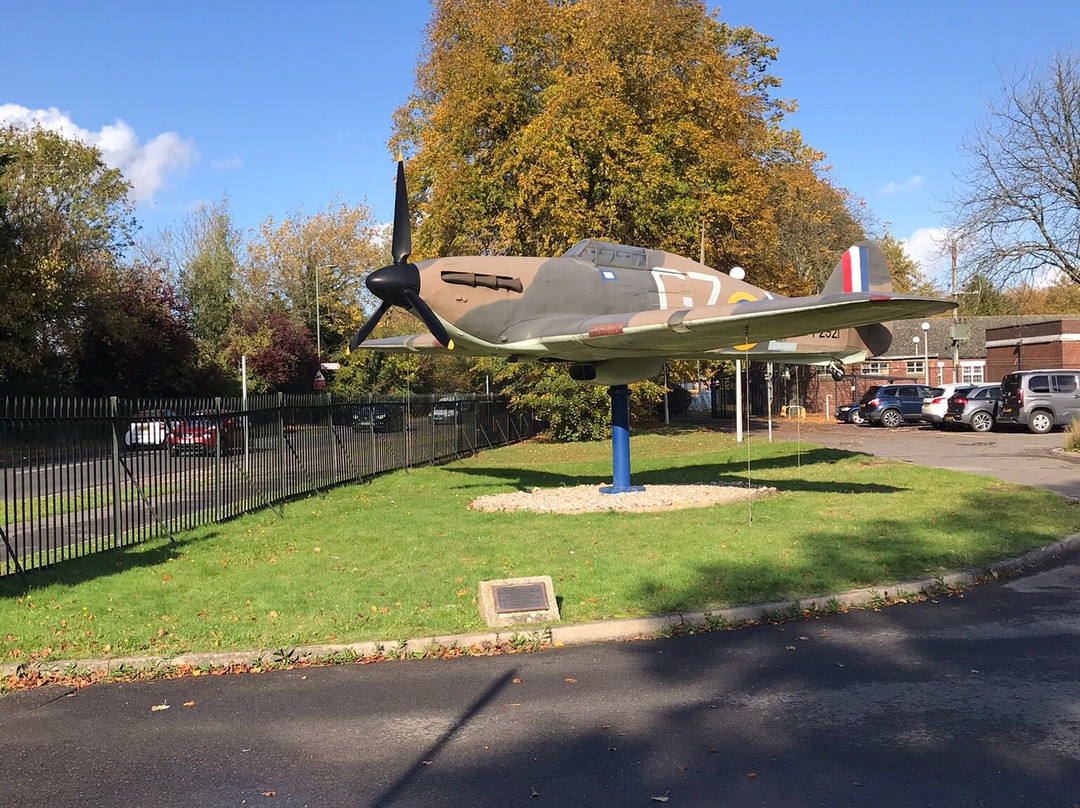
(392,283)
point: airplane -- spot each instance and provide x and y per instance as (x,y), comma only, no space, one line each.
(614,313)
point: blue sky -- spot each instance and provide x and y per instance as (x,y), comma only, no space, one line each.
(280,105)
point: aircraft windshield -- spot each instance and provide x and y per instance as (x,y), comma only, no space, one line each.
(605,254)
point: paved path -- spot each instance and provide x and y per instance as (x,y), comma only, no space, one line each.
(1016,457)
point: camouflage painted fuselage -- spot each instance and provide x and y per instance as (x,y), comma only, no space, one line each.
(513,305)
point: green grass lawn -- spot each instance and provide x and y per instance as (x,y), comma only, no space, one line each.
(400,557)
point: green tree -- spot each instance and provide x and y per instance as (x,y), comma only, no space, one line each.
(135,341)
(332,250)
(907,275)
(65,216)
(208,262)
(980,297)
(568,410)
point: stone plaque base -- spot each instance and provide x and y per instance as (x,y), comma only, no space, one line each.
(518,601)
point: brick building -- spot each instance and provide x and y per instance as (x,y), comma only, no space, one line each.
(1047,344)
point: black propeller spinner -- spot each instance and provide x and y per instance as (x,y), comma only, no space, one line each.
(399,283)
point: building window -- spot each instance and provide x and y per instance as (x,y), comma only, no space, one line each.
(972,372)
(875,368)
(915,367)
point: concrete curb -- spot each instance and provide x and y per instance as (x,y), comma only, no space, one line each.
(578,633)
(1067,456)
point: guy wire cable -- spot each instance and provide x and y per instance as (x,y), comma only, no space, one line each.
(749,492)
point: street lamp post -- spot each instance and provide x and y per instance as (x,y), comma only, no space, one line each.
(926,350)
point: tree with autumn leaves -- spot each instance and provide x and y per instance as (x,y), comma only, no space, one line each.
(536,124)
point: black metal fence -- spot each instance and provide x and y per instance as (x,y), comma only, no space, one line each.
(84,475)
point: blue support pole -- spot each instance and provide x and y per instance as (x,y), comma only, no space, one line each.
(620,442)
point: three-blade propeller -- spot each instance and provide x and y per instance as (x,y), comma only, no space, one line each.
(399,283)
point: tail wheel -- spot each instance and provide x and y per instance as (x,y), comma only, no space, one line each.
(982,422)
(856,417)
(1040,422)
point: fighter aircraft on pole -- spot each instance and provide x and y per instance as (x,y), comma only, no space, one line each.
(614,313)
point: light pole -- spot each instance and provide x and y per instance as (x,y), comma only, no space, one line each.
(926,350)
(916,341)
(318,325)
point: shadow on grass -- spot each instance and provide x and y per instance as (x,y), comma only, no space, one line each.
(115,561)
(731,472)
(874,553)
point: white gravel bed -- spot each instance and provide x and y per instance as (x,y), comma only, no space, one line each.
(588,499)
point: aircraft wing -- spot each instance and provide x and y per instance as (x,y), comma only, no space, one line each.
(411,343)
(684,333)
(680,332)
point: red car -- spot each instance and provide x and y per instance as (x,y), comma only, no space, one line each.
(202,432)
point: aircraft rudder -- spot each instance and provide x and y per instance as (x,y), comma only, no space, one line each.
(862,268)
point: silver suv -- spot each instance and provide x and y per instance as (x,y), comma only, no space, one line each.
(1040,399)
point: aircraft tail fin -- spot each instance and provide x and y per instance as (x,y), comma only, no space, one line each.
(861,269)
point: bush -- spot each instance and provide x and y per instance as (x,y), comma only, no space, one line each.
(1072,436)
(569,411)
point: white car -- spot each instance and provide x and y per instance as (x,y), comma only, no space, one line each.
(935,405)
(150,428)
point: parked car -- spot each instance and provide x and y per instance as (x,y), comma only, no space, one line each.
(452,410)
(974,407)
(380,418)
(850,413)
(149,428)
(935,404)
(1040,399)
(203,432)
(894,404)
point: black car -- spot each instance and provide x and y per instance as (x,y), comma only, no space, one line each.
(895,404)
(380,418)
(850,413)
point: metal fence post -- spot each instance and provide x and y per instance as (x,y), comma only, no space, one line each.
(331,450)
(219,482)
(281,444)
(115,419)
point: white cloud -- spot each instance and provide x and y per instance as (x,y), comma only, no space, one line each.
(911,184)
(228,164)
(929,248)
(145,165)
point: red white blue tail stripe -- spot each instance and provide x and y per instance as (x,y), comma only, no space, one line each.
(856,268)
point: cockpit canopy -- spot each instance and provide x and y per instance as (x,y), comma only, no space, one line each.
(605,254)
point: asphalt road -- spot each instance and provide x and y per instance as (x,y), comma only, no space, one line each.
(1015,456)
(972,700)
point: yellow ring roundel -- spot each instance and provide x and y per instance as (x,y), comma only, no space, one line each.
(739,297)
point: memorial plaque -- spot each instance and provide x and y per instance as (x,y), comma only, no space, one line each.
(520,598)
(518,601)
